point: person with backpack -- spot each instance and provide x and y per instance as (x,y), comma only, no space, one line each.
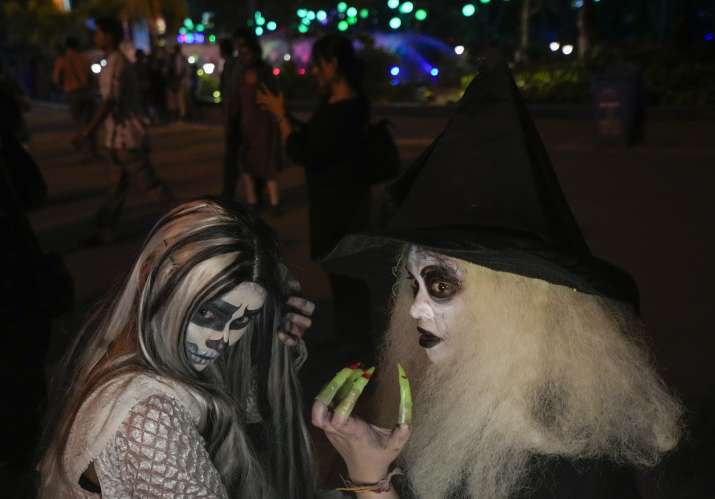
(331,148)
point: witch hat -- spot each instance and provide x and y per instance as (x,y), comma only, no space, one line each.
(485,191)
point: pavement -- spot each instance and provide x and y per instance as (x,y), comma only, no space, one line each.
(647,208)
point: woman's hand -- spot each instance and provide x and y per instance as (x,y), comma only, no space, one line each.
(368,450)
(294,324)
(271,102)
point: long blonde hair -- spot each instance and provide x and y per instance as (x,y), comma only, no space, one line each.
(198,251)
(539,370)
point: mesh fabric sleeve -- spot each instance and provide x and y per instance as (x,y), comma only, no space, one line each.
(158,453)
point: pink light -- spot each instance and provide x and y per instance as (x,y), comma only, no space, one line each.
(276,71)
(301,71)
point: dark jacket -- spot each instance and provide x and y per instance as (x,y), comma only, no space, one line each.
(331,149)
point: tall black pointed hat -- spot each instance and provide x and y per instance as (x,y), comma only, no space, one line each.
(485,191)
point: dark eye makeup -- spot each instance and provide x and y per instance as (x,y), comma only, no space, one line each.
(441,281)
(215,314)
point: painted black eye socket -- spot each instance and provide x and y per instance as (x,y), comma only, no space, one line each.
(240,323)
(205,313)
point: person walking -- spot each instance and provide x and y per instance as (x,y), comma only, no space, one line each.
(71,72)
(261,152)
(232,129)
(330,147)
(127,138)
(177,72)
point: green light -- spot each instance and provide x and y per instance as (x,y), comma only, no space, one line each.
(352,12)
(393,4)
(485,1)
(271,25)
(421,14)
(200,28)
(212,38)
(468,10)
(364,13)
(302,12)
(342,26)
(303,28)
(342,7)
(261,21)
(257,14)
(310,15)
(321,15)
(182,30)
(216,94)
(305,21)
(407,7)
(259,31)
(352,20)
(395,22)
(189,23)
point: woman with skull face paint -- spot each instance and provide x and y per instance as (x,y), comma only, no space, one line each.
(184,384)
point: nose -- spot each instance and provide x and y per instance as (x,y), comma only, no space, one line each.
(217,345)
(421,310)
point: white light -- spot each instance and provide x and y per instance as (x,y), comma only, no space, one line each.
(103,62)
(192,59)
(554,46)
(209,68)
(96,68)
(459,49)
(286,57)
(567,49)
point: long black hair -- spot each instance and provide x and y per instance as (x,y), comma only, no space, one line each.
(349,65)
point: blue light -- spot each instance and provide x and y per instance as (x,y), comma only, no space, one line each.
(709,37)
(434,71)
(394,82)
(395,70)
(199,38)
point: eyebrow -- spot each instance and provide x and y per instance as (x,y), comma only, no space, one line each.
(444,270)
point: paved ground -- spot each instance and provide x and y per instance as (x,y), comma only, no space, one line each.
(647,209)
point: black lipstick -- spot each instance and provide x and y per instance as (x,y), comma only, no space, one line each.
(427,339)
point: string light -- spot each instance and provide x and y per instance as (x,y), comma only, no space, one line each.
(395,22)
(468,10)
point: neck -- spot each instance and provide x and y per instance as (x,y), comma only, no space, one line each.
(340,90)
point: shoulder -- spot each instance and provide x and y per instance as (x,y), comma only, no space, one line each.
(158,452)
(105,409)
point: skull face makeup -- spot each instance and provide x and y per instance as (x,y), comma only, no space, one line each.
(221,322)
(437,283)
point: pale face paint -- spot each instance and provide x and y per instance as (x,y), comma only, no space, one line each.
(221,322)
(437,283)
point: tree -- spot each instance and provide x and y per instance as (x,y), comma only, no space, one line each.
(586,28)
(528,9)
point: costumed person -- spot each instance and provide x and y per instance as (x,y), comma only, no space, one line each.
(260,151)
(331,148)
(184,383)
(127,137)
(527,356)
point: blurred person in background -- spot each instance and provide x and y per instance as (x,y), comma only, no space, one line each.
(142,67)
(330,146)
(127,137)
(232,129)
(177,72)
(72,73)
(260,151)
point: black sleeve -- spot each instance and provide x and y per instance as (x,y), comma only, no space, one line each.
(329,137)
